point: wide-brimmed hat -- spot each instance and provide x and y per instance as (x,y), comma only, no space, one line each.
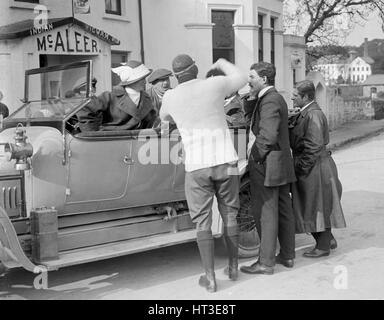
(159,74)
(131,72)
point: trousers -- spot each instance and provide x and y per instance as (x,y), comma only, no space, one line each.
(202,185)
(272,210)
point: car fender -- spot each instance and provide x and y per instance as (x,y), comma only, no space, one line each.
(45,183)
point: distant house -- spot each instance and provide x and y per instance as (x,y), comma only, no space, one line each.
(354,70)
(360,69)
(333,68)
(373,85)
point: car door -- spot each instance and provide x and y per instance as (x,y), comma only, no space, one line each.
(157,172)
(98,172)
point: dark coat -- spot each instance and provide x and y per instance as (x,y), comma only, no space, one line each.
(4,110)
(317,192)
(117,110)
(156,100)
(270,126)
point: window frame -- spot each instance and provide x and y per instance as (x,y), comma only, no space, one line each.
(260,22)
(231,49)
(118,12)
(273,40)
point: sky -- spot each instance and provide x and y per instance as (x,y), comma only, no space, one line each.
(371,30)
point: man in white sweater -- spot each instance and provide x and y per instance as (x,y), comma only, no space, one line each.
(197,108)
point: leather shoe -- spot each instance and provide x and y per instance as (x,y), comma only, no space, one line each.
(257,268)
(316,253)
(232,273)
(333,243)
(209,284)
(288,263)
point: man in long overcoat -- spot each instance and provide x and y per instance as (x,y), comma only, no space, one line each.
(317,192)
(271,171)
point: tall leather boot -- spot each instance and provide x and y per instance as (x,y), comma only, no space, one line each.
(206,245)
(231,238)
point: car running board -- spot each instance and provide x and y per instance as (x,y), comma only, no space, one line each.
(118,249)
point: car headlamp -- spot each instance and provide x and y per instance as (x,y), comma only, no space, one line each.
(21,151)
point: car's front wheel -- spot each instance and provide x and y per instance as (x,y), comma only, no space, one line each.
(249,242)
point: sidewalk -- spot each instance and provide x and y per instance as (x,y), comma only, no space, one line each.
(354,132)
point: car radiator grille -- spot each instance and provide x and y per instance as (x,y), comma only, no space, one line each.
(11,197)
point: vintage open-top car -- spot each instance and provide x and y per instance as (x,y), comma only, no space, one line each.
(71,197)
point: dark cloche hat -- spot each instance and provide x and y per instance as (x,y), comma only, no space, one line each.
(159,74)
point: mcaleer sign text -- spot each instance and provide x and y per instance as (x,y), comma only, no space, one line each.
(69,40)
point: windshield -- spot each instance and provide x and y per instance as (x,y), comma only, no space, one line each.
(53,93)
(52,109)
(54,84)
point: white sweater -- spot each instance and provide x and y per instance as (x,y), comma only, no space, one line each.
(197,108)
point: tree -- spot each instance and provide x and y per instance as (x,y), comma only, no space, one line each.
(314,53)
(327,21)
(340,79)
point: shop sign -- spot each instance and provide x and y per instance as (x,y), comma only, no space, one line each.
(67,41)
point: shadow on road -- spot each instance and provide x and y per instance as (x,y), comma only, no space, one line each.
(163,266)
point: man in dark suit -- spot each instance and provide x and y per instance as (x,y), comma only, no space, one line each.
(271,170)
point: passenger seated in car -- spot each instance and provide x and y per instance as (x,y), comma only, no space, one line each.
(127,107)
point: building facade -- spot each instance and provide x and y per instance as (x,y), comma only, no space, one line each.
(359,70)
(153,31)
(332,68)
(373,86)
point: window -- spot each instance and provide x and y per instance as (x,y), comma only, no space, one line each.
(113,7)
(261,37)
(273,41)
(117,58)
(223,35)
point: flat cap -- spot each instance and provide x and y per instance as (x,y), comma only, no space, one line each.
(159,74)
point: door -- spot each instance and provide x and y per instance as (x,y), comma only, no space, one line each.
(157,172)
(98,171)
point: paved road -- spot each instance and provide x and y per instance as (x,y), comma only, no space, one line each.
(353,271)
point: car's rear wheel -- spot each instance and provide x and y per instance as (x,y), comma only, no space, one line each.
(249,241)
